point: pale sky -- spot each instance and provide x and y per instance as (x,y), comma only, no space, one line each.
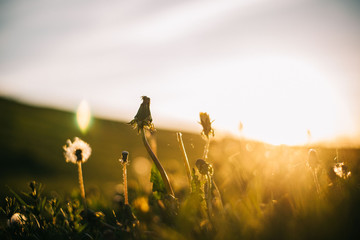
(280,67)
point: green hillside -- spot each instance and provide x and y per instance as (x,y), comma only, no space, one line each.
(31,140)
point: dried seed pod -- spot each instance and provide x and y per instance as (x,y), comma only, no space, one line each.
(143,117)
(125,156)
(204,167)
(206,124)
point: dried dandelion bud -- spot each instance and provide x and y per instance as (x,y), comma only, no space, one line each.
(313,159)
(204,167)
(206,124)
(143,117)
(124,159)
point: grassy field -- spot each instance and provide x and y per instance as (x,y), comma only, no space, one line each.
(268,192)
(31,141)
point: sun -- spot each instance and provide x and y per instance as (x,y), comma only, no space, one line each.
(279,98)
(283,100)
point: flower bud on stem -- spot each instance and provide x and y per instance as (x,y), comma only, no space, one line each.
(124,161)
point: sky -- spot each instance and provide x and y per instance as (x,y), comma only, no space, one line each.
(279,67)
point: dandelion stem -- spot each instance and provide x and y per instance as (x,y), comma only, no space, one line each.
(186,161)
(125,184)
(206,149)
(316,181)
(208,195)
(81,184)
(157,164)
(218,193)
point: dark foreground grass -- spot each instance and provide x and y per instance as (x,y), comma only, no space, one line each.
(268,192)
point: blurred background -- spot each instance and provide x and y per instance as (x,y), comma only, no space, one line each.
(284,71)
(275,76)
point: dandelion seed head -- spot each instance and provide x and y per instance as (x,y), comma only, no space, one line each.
(341,170)
(206,124)
(77,151)
(17,219)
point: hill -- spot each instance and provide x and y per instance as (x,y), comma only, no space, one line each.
(267,191)
(31,141)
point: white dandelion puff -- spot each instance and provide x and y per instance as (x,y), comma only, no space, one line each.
(341,170)
(77,151)
(17,219)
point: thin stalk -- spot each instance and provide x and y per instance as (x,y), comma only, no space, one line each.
(218,192)
(81,184)
(157,164)
(208,196)
(125,184)
(316,181)
(186,160)
(206,148)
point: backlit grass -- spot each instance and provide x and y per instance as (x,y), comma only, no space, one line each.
(266,191)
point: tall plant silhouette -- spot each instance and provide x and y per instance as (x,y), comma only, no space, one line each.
(143,122)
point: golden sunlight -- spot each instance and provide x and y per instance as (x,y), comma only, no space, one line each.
(282,100)
(83,116)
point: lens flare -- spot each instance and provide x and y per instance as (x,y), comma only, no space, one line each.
(83,116)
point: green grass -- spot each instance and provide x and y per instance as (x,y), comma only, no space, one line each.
(31,141)
(268,191)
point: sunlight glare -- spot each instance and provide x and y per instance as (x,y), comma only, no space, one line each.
(292,98)
(83,116)
(278,98)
